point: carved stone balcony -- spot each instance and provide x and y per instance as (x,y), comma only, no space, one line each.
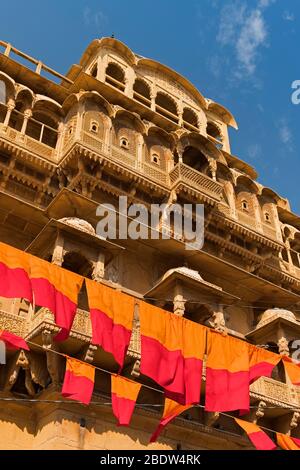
(185,179)
(14,323)
(276,393)
(24,142)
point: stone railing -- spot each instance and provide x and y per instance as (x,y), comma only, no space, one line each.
(194,179)
(28,143)
(277,393)
(122,157)
(12,322)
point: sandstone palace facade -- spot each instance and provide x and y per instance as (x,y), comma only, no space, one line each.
(119,124)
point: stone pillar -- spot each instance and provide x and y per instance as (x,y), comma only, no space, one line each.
(58,252)
(99,267)
(10,108)
(27,115)
(179,301)
(152,97)
(140,146)
(212,164)
(257,213)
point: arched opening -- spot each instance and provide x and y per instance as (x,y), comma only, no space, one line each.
(141,92)
(2,92)
(194,158)
(115,76)
(214,132)
(42,127)
(94,70)
(244,205)
(190,120)
(77,263)
(165,106)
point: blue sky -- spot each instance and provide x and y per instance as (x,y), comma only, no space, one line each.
(241,53)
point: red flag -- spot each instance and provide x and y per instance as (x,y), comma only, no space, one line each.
(287,442)
(13,341)
(14,273)
(259,438)
(111,316)
(79,381)
(171,410)
(172,350)
(124,393)
(56,289)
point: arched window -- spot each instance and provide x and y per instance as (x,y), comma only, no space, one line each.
(2,92)
(267,217)
(42,127)
(155,158)
(77,263)
(213,131)
(115,76)
(190,120)
(245,205)
(124,143)
(94,127)
(94,71)
(165,106)
(141,92)
(194,158)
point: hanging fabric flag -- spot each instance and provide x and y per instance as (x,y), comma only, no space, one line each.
(111,317)
(171,410)
(13,341)
(79,381)
(259,438)
(227,373)
(172,351)
(14,273)
(57,289)
(124,393)
(287,442)
(262,362)
(292,369)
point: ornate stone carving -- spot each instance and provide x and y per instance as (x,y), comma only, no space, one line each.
(283,346)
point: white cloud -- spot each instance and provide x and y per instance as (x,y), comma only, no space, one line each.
(96,18)
(244,29)
(252,35)
(254,151)
(285,134)
(288,16)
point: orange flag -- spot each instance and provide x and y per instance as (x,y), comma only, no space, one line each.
(111,317)
(56,289)
(124,393)
(172,351)
(13,341)
(262,362)
(292,370)
(227,373)
(14,273)
(259,438)
(171,410)
(79,381)
(287,442)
